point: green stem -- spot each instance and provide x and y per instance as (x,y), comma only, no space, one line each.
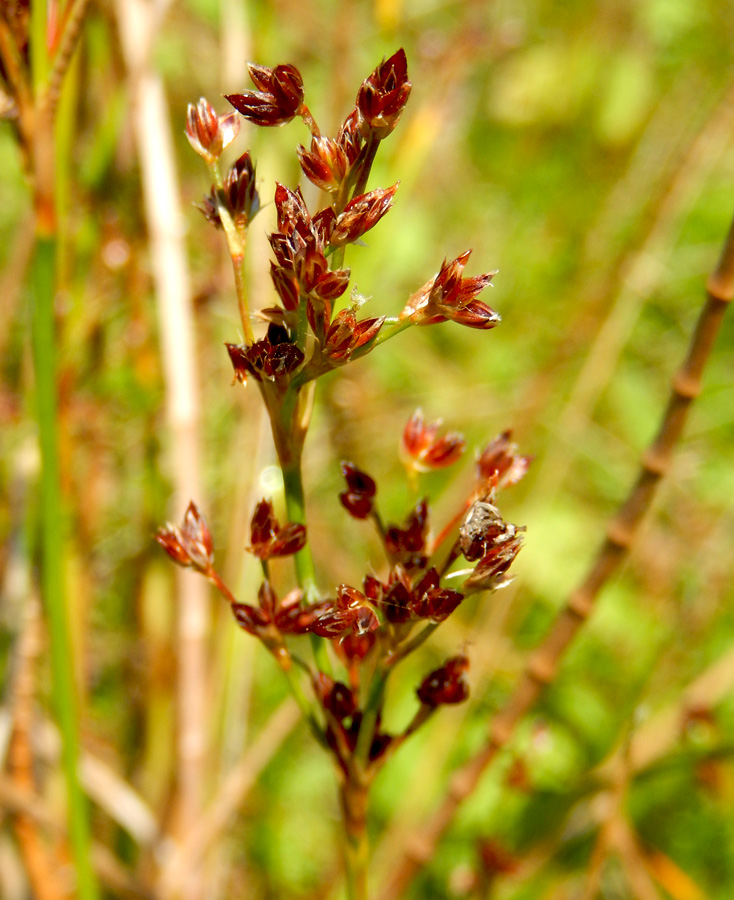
(303,561)
(411,645)
(372,708)
(52,571)
(389,330)
(354,795)
(296,510)
(236,242)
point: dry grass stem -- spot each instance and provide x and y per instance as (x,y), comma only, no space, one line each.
(170,270)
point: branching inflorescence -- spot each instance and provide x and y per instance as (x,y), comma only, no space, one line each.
(359,634)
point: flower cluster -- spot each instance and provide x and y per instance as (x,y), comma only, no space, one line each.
(314,335)
(359,632)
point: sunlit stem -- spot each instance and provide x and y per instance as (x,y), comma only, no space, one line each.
(372,708)
(354,795)
(236,241)
(411,645)
(389,330)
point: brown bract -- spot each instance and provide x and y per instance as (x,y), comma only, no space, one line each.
(445,685)
(422,450)
(407,545)
(407,597)
(273,358)
(362,214)
(240,191)
(499,465)
(191,543)
(351,612)
(325,164)
(209,133)
(272,618)
(358,498)
(382,96)
(269,539)
(451,296)
(278,99)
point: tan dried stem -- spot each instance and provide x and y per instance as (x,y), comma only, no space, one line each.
(166,226)
(543,664)
(41,864)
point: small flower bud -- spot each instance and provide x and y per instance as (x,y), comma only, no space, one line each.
(382,97)
(359,496)
(240,192)
(362,214)
(445,685)
(499,464)
(422,450)
(268,539)
(191,544)
(208,133)
(278,99)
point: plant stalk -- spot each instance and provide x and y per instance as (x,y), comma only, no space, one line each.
(52,570)
(354,795)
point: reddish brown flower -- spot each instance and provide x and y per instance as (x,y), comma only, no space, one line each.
(334,696)
(191,544)
(209,133)
(240,192)
(293,214)
(346,334)
(499,465)
(445,685)
(362,214)
(268,539)
(271,617)
(351,612)
(403,601)
(350,139)
(407,545)
(451,296)
(278,99)
(274,358)
(382,97)
(422,450)
(325,164)
(358,498)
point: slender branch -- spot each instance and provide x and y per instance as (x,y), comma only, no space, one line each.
(543,664)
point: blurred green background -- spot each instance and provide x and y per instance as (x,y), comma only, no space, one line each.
(584,150)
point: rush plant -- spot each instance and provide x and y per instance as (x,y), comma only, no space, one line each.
(340,646)
(359,634)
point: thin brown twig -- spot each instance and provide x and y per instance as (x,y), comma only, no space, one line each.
(543,663)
